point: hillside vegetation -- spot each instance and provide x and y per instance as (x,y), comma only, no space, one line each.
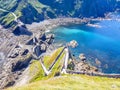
(59,81)
(29,11)
(36,70)
(73,82)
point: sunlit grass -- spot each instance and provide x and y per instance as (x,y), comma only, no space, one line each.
(73,82)
(36,71)
(48,60)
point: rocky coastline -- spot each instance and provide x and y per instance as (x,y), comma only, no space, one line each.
(49,24)
(31,47)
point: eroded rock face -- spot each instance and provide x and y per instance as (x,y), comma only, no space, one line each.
(41,36)
(16,54)
(37,50)
(21,30)
(82,65)
(41,42)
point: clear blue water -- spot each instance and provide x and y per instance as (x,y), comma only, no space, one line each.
(102,43)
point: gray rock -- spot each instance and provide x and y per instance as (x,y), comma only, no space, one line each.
(48,36)
(43,47)
(82,57)
(37,50)
(41,36)
(15,53)
(49,41)
(73,44)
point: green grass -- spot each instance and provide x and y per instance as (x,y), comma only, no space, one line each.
(57,67)
(37,5)
(8,19)
(48,60)
(36,71)
(73,82)
(65,82)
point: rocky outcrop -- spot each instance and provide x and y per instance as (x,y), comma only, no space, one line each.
(85,68)
(39,49)
(21,30)
(82,57)
(81,66)
(41,42)
(49,38)
(73,44)
(16,54)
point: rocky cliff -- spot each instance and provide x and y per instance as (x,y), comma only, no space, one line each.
(29,11)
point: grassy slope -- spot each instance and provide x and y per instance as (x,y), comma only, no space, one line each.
(36,71)
(65,82)
(7,4)
(73,82)
(7,19)
(48,60)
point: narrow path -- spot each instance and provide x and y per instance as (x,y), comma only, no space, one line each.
(15,19)
(15,16)
(94,74)
(65,61)
(44,68)
(47,72)
(66,57)
(50,68)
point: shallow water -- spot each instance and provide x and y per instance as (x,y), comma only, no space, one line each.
(97,43)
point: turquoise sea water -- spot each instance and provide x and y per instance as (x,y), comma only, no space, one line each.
(97,43)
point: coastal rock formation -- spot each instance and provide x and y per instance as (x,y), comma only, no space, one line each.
(39,49)
(82,57)
(73,44)
(49,38)
(82,66)
(85,68)
(16,54)
(21,30)
(41,42)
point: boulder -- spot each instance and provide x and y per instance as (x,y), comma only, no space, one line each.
(41,36)
(21,30)
(43,47)
(37,50)
(49,41)
(82,57)
(15,53)
(48,36)
(73,44)
(97,62)
(25,52)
